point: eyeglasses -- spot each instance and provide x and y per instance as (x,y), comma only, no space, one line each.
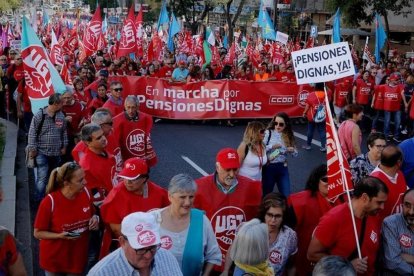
(12,53)
(19,59)
(119,89)
(152,249)
(262,131)
(272,216)
(3,59)
(107,123)
(324,179)
(279,124)
(71,166)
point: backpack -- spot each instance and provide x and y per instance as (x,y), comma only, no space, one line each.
(320,114)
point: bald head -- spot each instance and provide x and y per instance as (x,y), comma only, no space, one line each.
(391,156)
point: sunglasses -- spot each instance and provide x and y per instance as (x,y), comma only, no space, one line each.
(118,89)
(272,216)
(71,166)
(279,124)
(324,179)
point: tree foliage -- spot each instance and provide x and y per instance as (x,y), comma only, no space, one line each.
(187,9)
(231,20)
(6,5)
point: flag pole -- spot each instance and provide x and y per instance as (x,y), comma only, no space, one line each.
(341,161)
(363,53)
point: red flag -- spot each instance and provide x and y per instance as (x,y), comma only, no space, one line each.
(310,43)
(71,43)
(199,49)
(128,44)
(231,55)
(102,43)
(338,167)
(139,21)
(56,51)
(150,51)
(64,73)
(91,35)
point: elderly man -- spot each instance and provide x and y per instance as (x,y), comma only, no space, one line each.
(98,164)
(134,193)
(180,73)
(114,102)
(227,198)
(103,118)
(397,238)
(132,130)
(140,252)
(47,142)
(334,234)
(388,171)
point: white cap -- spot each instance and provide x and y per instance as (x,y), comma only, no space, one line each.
(141,230)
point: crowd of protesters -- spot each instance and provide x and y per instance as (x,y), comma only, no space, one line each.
(92,153)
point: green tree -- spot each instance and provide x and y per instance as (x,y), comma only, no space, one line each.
(231,20)
(6,5)
(356,11)
(187,9)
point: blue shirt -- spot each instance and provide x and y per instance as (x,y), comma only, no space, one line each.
(116,263)
(407,148)
(180,74)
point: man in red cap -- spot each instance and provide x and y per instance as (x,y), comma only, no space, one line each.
(228,199)
(134,193)
(393,97)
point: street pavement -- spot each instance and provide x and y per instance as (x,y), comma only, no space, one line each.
(182,147)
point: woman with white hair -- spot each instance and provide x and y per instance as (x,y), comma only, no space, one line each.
(186,232)
(250,250)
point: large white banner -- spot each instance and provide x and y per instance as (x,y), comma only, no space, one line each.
(324,63)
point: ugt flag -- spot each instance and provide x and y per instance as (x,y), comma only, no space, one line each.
(339,174)
(41,77)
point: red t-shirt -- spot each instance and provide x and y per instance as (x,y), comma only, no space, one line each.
(77,111)
(165,72)
(395,193)
(308,210)
(21,89)
(342,90)
(58,215)
(8,251)
(100,173)
(84,99)
(227,211)
(113,107)
(363,91)
(134,137)
(335,232)
(314,100)
(120,203)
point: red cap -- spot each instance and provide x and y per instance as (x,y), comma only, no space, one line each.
(228,158)
(18,75)
(394,77)
(182,62)
(133,168)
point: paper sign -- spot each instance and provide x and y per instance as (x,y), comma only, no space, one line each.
(282,37)
(324,63)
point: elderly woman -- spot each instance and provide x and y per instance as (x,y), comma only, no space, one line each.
(283,242)
(305,210)
(252,151)
(363,165)
(250,250)
(63,221)
(187,232)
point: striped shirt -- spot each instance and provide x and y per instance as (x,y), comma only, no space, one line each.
(51,137)
(397,239)
(116,263)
